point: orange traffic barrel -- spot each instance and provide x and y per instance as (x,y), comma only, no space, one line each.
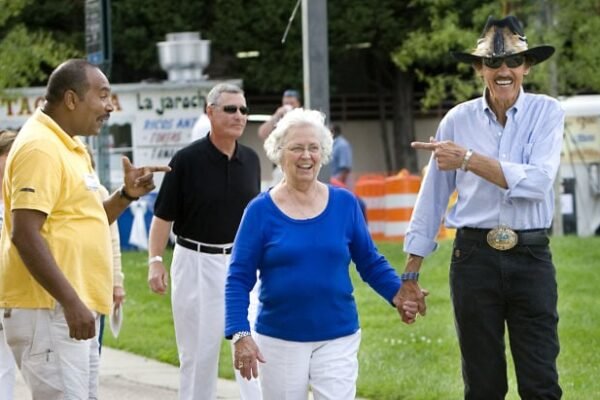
(371,190)
(400,197)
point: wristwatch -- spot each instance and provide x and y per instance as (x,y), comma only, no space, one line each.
(154,259)
(126,195)
(237,336)
(409,276)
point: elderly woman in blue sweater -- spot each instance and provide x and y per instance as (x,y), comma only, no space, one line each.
(301,236)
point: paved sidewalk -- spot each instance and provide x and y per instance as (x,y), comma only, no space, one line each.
(125,376)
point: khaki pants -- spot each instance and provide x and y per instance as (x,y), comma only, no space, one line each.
(54,366)
(7,367)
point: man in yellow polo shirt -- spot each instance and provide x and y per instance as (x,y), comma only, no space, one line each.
(55,265)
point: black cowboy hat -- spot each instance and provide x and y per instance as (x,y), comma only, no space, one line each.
(502,38)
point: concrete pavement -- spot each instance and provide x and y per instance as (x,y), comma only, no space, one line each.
(126,376)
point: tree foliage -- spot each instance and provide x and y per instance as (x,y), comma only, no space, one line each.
(27,51)
(569,26)
(242,26)
(386,48)
(137,25)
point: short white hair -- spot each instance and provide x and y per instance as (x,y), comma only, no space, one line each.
(297,117)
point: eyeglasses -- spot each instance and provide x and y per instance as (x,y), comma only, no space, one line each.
(299,150)
(231,109)
(511,61)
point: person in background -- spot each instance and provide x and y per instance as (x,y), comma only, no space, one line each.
(55,270)
(501,152)
(7,361)
(201,126)
(301,236)
(341,164)
(290,100)
(341,161)
(203,199)
(118,276)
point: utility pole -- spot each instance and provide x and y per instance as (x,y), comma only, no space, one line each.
(98,45)
(315,55)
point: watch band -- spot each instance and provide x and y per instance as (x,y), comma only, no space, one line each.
(237,336)
(465,161)
(126,195)
(409,276)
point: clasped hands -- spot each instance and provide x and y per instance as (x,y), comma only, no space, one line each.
(410,301)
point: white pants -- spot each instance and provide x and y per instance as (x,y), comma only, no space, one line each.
(7,367)
(329,367)
(198,303)
(54,366)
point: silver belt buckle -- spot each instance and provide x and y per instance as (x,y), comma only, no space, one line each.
(502,238)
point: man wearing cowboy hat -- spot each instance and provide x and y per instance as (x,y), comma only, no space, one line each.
(501,153)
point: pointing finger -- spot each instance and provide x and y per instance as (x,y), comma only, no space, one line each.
(423,146)
(157,168)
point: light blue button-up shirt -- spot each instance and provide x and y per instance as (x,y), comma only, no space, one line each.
(528,148)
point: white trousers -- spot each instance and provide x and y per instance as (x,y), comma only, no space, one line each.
(54,366)
(198,303)
(7,367)
(329,368)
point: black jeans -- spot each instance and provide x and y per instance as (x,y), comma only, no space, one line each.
(516,288)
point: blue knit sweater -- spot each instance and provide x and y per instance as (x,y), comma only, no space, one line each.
(305,287)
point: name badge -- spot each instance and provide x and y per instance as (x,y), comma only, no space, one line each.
(91,182)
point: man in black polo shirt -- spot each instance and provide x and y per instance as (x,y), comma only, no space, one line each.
(203,198)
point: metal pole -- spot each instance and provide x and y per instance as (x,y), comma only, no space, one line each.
(315,54)
(99,49)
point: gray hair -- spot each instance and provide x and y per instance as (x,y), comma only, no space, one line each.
(215,93)
(297,117)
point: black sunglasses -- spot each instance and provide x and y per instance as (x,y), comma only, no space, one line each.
(511,61)
(233,109)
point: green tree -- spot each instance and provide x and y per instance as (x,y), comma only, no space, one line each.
(568,26)
(385,47)
(27,50)
(574,29)
(361,37)
(137,25)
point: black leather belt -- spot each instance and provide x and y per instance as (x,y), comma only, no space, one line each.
(202,248)
(530,237)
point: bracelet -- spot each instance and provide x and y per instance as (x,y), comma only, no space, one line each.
(465,161)
(409,276)
(155,259)
(239,335)
(126,195)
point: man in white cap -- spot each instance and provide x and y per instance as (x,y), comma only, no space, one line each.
(501,152)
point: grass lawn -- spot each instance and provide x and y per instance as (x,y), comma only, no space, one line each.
(397,361)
